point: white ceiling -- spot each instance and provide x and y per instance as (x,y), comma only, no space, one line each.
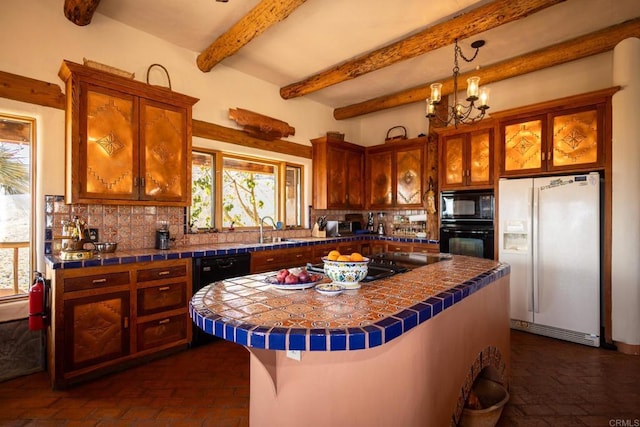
(323,33)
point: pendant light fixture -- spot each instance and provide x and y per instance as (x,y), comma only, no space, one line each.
(460,113)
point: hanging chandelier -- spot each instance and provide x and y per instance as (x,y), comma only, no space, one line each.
(459,113)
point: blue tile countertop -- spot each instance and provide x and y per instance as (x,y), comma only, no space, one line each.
(249,311)
(145,255)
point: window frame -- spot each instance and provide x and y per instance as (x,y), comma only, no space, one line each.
(281,170)
(32,201)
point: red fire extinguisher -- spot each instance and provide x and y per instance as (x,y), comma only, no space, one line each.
(37,303)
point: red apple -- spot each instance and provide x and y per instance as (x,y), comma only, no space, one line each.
(281,275)
(304,276)
(291,279)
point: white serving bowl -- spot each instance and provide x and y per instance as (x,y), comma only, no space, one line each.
(346,273)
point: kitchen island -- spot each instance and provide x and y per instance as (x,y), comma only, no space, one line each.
(404,350)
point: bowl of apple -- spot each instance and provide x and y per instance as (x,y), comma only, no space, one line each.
(294,278)
(346,270)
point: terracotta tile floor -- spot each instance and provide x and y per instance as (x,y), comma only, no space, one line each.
(554,383)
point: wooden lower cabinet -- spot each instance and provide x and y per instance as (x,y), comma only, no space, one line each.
(104,318)
(276,259)
(413,247)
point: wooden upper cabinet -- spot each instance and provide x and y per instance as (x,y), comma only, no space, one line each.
(162,152)
(127,142)
(410,176)
(567,135)
(396,174)
(338,171)
(466,157)
(380,179)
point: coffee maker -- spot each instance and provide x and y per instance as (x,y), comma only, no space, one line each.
(163,236)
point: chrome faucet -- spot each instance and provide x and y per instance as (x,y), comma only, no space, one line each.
(273,223)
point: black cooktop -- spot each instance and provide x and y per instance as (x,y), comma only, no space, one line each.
(390,263)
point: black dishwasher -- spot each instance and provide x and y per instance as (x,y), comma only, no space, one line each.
(211,269)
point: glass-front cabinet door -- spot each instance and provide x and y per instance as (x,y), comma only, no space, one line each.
(480,153)
(380,168)
(109,154)
(575,139)
(409,176)
(453,161)
(163,160)
(523,148)
(466,159)
(564,140)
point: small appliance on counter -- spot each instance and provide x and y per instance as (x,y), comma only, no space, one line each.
(370,226)
(163,237)
(381,230)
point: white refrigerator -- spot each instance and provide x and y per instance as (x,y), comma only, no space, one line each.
(549,233)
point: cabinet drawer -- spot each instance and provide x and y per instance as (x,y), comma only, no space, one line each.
(147,275)
(349,248)
(162,298)
(96,281)
(399,247)
(162,331)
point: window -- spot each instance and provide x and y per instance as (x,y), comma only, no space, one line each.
(16,207)
(229,190)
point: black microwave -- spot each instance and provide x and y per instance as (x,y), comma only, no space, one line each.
(466,206)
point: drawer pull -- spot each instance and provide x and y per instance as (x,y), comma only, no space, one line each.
(164,288)
(270,259)
(94,281)
(298,255)
(164,273)
(164,321)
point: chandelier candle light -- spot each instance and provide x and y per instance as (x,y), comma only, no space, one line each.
(460,113)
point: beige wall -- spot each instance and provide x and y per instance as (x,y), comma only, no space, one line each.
(625,277)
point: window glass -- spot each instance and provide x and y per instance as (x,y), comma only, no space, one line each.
(202,212)
(16,147)
(228,189)
(249,192)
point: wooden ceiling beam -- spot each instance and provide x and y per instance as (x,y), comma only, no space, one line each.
(474,22)
(258,20)
(578,48)
(80,12)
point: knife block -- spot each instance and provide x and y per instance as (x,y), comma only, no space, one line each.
(315,232)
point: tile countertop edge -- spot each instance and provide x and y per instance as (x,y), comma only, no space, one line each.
(145,255)
(338,339)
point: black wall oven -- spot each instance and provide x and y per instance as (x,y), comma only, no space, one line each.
(466,223)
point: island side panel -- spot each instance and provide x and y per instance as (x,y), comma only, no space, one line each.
(415,380)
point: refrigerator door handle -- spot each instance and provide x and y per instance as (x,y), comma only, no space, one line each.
(536,250)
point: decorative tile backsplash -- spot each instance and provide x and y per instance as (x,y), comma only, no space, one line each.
(134,227)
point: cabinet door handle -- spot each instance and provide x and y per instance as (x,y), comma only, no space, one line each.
(94,281)
(164,273)
(164,288)
(142,182)
(126,322)
(164,321)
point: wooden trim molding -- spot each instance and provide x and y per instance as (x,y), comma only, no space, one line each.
(32,91)
(476,21)
(38,92)
(578,48)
